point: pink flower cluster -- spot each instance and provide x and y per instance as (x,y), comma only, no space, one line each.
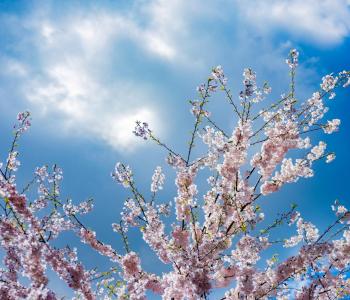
(216,238)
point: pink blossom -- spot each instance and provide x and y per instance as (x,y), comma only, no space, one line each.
(131,264)
(217,236)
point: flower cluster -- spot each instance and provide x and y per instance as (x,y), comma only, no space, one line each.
(197,109)
(328,82)
(122,174)
(12,162)
(157,180)
(24,122)
(305,230)
(251,89)
(331,126)
(217,237)
(142,130)
(292,60)
(218,75)
(83,207)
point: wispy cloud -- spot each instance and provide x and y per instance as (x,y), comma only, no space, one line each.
(67,73)
(69,76)
(73,65)
(325,22)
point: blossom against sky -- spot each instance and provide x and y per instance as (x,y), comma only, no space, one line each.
(87,71)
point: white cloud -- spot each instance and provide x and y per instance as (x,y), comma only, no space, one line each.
(13,67)
(325,22)
(86,106)
(68,80)
(71,75)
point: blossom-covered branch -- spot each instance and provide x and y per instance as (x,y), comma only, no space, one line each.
(217,237)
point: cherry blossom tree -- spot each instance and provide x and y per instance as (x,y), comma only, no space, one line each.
(217,239)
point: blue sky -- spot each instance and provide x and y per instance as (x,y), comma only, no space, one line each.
(87,70)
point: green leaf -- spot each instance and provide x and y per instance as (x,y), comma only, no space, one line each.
(293,205)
